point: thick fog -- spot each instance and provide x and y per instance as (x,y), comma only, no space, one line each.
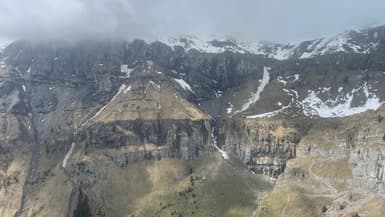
(272,20)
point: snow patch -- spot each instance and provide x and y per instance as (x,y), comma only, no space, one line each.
(230,108)
(124,69)
(280,80)
(296,77)
(324,89)
(155,85)
(183,84)
(269,114)
(292,79)
(127,89)
(218,94)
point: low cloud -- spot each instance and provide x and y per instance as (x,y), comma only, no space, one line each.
(273,20)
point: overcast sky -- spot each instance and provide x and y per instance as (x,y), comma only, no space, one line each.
(271,20)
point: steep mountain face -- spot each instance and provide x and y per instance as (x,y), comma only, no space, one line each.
(355,41)
(187,127)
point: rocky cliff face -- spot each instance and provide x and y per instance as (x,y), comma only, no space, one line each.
(91,126)
(337,171)
(264,146)
(181,139)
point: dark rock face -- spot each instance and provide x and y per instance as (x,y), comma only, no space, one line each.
(181,139)
(259,146)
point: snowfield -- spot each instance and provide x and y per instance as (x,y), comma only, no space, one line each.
(341,106)
(339,43)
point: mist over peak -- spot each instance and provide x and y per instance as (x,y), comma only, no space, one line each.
(279,21)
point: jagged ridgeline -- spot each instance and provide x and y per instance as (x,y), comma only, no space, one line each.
(191,127)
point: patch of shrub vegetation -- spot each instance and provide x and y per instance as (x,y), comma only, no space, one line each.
(83,208)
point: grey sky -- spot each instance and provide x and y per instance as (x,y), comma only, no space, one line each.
(272,20)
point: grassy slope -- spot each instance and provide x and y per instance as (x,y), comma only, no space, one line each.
(208,187)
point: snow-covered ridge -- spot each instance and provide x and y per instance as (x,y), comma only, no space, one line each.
(220,45)
(346,42)
(355,41)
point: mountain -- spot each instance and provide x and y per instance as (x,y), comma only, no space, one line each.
(192,127)
(354,41)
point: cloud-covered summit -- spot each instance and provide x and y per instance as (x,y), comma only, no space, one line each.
(278,20)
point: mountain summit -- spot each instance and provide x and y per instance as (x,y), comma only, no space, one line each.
(354,41)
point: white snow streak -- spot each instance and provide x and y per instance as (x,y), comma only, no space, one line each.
(255,96)
(230,108)
(269,114)
(214,141)
(127,89)
(122,88)
(124,69)
(183,84)
(68,155)
(291,79)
